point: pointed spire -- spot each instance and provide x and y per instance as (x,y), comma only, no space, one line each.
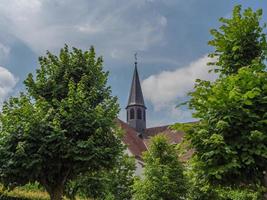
(136,95)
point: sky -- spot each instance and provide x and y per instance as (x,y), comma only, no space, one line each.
(170,37)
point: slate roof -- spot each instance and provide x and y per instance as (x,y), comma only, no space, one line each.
(136,95)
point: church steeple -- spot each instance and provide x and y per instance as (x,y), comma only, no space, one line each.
(136,95)
(136,109)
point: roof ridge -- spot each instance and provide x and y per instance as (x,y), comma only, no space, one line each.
(159,126)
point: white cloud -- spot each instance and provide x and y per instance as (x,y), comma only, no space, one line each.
(116,28)
(173,115)
(164,89)
(7,83)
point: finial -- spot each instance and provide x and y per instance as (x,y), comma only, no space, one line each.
(135,57)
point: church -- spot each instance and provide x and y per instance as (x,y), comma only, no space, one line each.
(137,135)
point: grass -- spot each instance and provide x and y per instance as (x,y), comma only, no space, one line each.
(27,192)
(21,193)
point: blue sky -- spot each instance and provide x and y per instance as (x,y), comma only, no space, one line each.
(170,37)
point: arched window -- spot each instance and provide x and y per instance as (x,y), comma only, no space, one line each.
(144,115)
(139,113)
(132,113)
(127,115)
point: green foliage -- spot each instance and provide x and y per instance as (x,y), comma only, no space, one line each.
(203,189)
(239,41)
(33,187)
(185,127)
(163,173)
(184,147)
(112,184)
(230,141)
(62,126)
(242,193)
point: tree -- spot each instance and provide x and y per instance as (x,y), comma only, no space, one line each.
(115,183)
(62,126)
(121,178)
(230,141)
(239,41)
(163,173)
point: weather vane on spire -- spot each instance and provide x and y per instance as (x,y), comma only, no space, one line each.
(135,57)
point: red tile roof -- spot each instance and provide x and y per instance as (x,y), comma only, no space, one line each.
(137,145)
(134,143)
(173,136)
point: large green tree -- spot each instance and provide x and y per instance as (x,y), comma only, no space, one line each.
(230,141)
(62,126)
(163,177)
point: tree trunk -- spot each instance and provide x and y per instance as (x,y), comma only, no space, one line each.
(56,193)
(55,188)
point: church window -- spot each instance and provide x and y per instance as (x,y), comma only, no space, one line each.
(132,113)
(139,113)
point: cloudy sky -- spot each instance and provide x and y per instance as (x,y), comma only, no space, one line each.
(170,37)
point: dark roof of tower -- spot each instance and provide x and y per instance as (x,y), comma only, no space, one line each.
(136,95)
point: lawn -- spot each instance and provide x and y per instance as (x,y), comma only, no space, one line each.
(23,193)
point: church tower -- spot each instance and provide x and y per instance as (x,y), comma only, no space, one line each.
(136,109)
